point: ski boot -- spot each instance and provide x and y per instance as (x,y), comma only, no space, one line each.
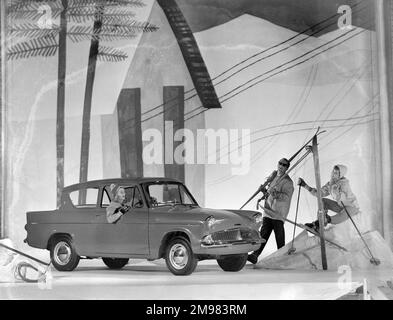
(315,225)
(253,258)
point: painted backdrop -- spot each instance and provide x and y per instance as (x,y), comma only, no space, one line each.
(279,71)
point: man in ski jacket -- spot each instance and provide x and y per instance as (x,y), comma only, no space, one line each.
(279,195)
(339,189)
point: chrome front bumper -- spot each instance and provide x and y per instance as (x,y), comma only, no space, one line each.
(232,244)
(227,248)
(232,241)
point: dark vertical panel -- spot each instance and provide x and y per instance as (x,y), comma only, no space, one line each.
(130,132)
(174,112)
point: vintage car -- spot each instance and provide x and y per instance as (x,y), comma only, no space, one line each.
(163,221)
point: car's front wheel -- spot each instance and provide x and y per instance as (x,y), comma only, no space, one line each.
(63,254)
(115,263)
(232,263)
(179,257)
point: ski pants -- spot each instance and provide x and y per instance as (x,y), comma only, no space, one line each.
(341,215)
(268,225)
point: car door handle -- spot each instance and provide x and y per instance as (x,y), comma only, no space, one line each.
(98,215)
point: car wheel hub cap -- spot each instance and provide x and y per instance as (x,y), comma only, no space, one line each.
(62,253)
(178,256)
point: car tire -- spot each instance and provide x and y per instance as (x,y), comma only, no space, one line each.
(232,263)
(63,254)
(179,257)
(115,263)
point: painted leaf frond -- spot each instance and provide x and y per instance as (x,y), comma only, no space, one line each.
(106,3)
(78,37)
(32,30)
(131,27)
(31,5)
(118,15)
(79,18)
(110,36)
(108,54)
(44,47)
(30,14)
(83,33)
(80,33)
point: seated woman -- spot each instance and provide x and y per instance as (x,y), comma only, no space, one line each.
(118,205)
(344,201)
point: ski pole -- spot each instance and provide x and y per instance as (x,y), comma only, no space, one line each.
(293,249)
(372,260)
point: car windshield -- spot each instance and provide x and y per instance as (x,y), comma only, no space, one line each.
(167,193)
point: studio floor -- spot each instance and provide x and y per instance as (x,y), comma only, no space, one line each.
(145,280)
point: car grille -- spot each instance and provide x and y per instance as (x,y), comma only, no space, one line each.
(235,235)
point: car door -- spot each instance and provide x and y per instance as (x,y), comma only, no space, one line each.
(164,213)
(128,235)
(80,220)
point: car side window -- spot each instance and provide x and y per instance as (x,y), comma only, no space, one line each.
(137,201)
(133,197)
(84,198)
(184,196)
(106,200)
(129,194)
(156,193)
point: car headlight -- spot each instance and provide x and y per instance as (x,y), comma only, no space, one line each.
(210,221)
(258,218)
(207,240)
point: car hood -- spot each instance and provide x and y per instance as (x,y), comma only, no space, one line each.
(225,219)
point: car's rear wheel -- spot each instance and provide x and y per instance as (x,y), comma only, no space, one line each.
(232,263)
(179,257)
(63,254)
(115,263)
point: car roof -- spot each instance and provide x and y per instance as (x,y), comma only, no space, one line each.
(100,182)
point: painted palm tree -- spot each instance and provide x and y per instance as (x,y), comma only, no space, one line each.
(112,20)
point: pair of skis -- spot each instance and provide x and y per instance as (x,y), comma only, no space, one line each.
(276,215)
(273,175)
